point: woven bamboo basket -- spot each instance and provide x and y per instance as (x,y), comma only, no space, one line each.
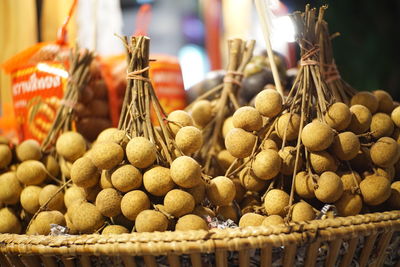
(363,239)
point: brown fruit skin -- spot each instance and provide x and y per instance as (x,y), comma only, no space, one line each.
(385,101)
(317,136)
(10,188)
(71,145)
(267,164)
(105,179)
(338,116)
(384,152)
(228,212)
(251,219)
(84,173)
(202,112)
(375,190)
(247,118)
(227,126)
(349,204)
(272,220)
(346,146)
(72,194)
(225,159)
(203,212)
(276,201)
(381,125)
(140,152)
(31,172)
(51,165)
(239,142)
(133,203)
(268,102)
(221,191)
(189,139)
(185,172)
(57,199)
(126,177)
(107,155)
(5,156)
(157,181)
(191,222)
(86,218)
(28,150)
(92,192)
(304,185)
(9,222)
(288,156)
(30,198)
(329,187)
(362,160)
(90,127)
(250,181)
(41,225)
(302,211)
(269,144)
(348,180)
(394,199)
(366,99)
(240,190)
(108,202)
(361,118)
(106,135)
(198,192)
(323,161)
(114,230)
(178,202)
(181,119)
(151,221)
(292,126)
(396,116)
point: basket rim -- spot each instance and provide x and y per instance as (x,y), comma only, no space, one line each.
(201,241)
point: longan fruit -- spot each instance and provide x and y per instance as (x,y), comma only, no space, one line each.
(272,220)
(72,194)
(250,181)
(178,119)
(157,181)
(394,199)
(114,230)
(84,173)
(317,136)
(120,137)
(71,145)
(381,125)
(239,142)
(329,187)
(126,177)
(323,161)
(198,192)
(304,185)
(42,222)
(92,192)
(348,180)
(268,102)
(276,202)
(108,202)
(105,179)
(5,156)
(10,188)
(227,126)
(191,222)
(202,112)
(251,219)
(57,199)
(349,204)
(31,172)
(366,99)
(107,155)
(239,189)
(106,135)
(338,116)
(346,146)
(29,150)
(65,167)
(395,115)
(9,222)
(203,212)
(384,152)
(388,172)
(361,118)
(185,172)
(51,165)
(189,139)
(269,144)
(86,218)
(385,101)
(289,123)
(178,202)
(267,164)
(247,118)
(228,212)
(29,198)
(133,203)
(140,152)
(225,159)
(302,211)
(288,156)
(151,221)
(250,199)
(274,137)
(375,189)
(221,191)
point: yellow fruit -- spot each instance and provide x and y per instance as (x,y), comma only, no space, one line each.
(221,191)
(57,198)
(247,118)
(105,179)
(107,155)
(228,212)
(9,222)
(133,203)
(84,173)
(51,165)
(361,119)
(385,101)
(191,222)
(288,156)
(269,144)
(289,125)
(384,152)
(272,220)
(189,139)
(317,136)
(106,135)
(185,172)
(29,150)
(71,145)
(108,202)
(42,223)
(329,187)
(225,159)
(31,172)
(395,115)
(203,212)
(381,125)
(239,142)
(375,190)
(30,198)
(86,218)
(178,203)
(250,181)
(140,152)
(276,202)
(349,204)
(251,219)
(268,102)
(338,116)
(202,112)
(151,221)
(267,164)
(157,181)
(10,188)
(178,119)
(114,230)
(126,177)
(72,194)
(302,211)
(394,199)
(322,161)
(304,185)
(198,192)
(227,126)
(349,180)
(346,146)
(5,156)
(366,99)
